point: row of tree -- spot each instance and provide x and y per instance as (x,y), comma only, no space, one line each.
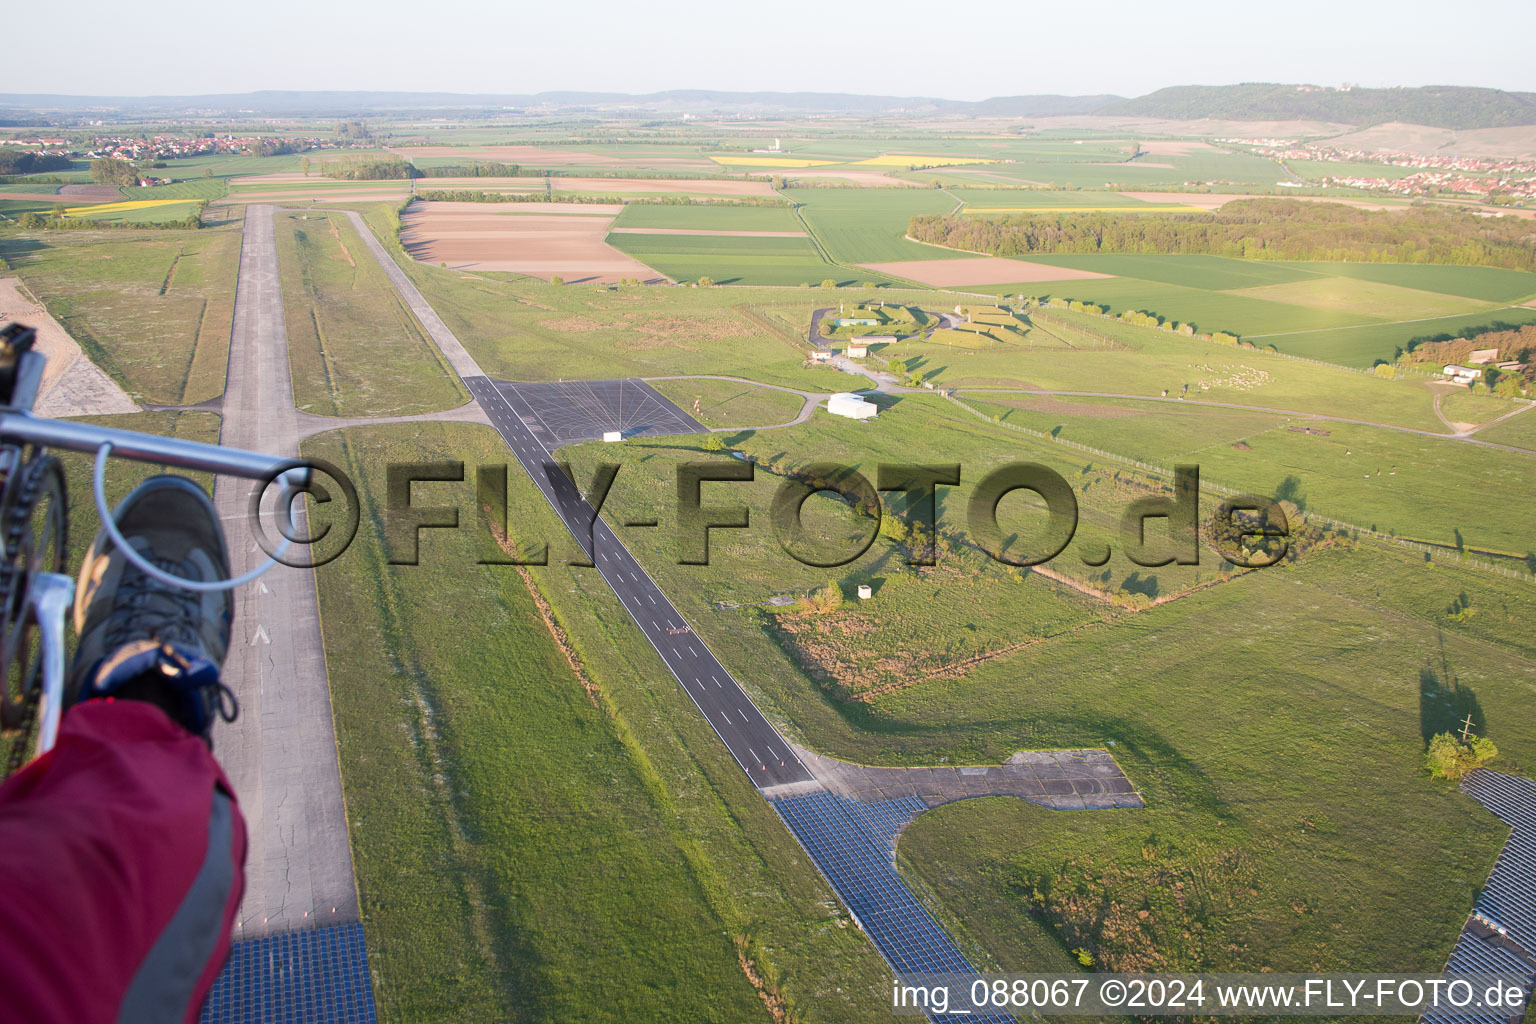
(1278,229)
(369,169)
(14,162)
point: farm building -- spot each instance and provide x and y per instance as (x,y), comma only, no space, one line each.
(879,339)
(855,321)
(1463,374)
(821,355)
(857,350)
(1483,356)
(852,406)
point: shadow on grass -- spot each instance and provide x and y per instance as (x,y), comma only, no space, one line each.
(1445,705)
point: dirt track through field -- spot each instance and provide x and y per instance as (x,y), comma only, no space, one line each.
(480,236)
(72,385)
(702,231)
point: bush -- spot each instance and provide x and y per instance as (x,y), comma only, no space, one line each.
(1450,758)
(712,443)
(824,601)
(829,283)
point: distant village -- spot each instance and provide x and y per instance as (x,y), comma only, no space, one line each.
(1465,175)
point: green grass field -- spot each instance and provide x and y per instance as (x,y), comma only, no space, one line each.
(353,347)
(1286,798)
(151,308)
(725,403)
(530,852)
(1519,431)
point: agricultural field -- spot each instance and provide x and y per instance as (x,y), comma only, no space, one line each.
(135,211)
(544,240)
(641,217)
(151,307)
(868,226)
(353,347)
(741,260)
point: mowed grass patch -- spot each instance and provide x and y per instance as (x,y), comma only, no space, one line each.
(521,853)
(728,260)
(870,225)
(1363,346)
(709,218)
(151,308)
(1370,298)
(1519,431)
(1491,284)
(728,403)
(1465,407)
(354,349)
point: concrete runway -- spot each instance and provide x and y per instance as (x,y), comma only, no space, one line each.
(281,752)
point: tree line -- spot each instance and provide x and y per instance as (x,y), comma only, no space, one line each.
(366,169)
(22,162)
(1275,229)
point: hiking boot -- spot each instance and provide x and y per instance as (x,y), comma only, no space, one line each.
(141,639)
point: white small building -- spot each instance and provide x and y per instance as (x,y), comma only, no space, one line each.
(857,350)
(852,406)
(1463,374)
(821,355)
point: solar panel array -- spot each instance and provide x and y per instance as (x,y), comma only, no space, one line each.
(1509,898)
(854,845)
(1474,956)
(319,976)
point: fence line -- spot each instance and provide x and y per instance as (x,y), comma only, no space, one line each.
(1160,470)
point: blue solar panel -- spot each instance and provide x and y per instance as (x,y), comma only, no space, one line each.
(854,845)
(1509,898)
(318,976)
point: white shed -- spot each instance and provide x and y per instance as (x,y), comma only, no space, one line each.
(852,406)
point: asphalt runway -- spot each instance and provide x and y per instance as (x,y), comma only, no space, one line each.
(570,411)
(752,740)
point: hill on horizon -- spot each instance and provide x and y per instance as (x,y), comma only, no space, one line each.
(1450,107)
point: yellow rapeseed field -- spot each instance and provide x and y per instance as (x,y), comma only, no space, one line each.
(123,207)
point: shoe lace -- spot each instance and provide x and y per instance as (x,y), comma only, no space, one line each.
(149,608)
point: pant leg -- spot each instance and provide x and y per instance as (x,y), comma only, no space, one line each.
(122,865)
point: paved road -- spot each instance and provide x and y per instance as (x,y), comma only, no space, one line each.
(281,753)
(755,744)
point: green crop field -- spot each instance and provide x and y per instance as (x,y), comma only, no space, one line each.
(353,347)
(1216,273)
(1491,284)
(784,262)
(197,188)
(868,225)
(1208,310)
(1368,298)
(709,218)
(151,308)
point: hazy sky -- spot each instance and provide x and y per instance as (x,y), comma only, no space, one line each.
(898,47)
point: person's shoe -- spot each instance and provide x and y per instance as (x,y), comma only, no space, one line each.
(142,639)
